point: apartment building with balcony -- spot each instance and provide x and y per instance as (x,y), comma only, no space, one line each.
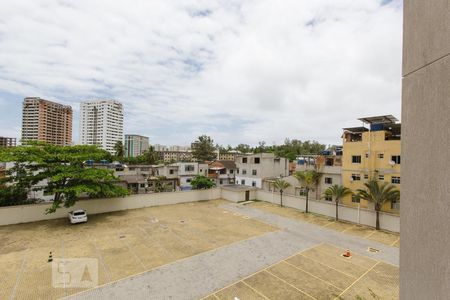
(101,123)
(188,171)
(7,142)
(372,152)
(175,156)
(135,145)
(252,170)
(328,165)
(223,172)
(140,179)
(46,121)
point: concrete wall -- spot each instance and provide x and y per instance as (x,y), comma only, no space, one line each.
(236,195)
(36,212)
(362,216)
(425,214)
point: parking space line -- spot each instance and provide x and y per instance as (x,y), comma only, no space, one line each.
(334,222)
(19,275)
(342,272)
(353,226)
(369,235)
(254,289)
(365,273)
(349,260)
(100,256)
(398,239)
(329,283)
(303,292)
(246,277)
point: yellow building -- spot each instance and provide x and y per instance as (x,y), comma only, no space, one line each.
(372,152)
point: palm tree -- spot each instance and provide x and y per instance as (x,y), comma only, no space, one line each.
(310,179)
(281,185)
(338,192)
(379,193)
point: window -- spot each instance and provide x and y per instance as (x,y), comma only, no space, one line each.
(142,185)
(256,160)
(366,176)
(356,159)
(253,183)
(395,204)
(355,199)
(244,160)
(396,159)
(171,172)
(302,192)
(380,155)
(395,180)
(367,155)
(244,172)
(189,168)
(237,171)
(380,177)
(221,181)
(356,177)
(328,198)
(254,172)
(188,180)
(231,171)
(243,181)
(328,180)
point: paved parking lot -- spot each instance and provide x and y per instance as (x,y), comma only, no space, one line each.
(318,273)
(125,243)
(364,232)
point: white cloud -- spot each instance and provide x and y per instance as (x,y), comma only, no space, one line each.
(242,71)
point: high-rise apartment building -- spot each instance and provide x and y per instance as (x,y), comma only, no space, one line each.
(7,142)
(135,145)
(372,153)
(46,121)
(101,123)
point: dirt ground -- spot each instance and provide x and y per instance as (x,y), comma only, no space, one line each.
(364,232)
(318,273)
(125,243)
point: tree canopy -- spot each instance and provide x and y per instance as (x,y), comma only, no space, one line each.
(203,149)
(60,171)
(202,183)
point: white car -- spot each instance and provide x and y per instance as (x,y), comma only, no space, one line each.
(78,216)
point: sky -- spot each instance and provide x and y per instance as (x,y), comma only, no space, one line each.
(239,71)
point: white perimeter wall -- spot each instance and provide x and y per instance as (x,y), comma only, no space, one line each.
(36,212)
(362,216)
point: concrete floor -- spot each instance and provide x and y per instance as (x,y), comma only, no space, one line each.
(364,232)
(125,243)
(263,266)
(317,273)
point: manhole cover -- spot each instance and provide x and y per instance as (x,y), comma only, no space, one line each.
(370,249)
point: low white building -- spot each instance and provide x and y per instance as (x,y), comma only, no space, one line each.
(251,170)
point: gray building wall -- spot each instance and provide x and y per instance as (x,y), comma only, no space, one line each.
(425,214)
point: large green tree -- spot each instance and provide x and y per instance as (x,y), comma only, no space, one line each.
(61,171)
(281,185)
(337,192)
(203,149)
(309,179)
(201,182)
(378,193)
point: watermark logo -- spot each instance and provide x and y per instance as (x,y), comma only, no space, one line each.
(75,272)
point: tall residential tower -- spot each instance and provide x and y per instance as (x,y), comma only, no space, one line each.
(46,121)
(101,123)
(135,145)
